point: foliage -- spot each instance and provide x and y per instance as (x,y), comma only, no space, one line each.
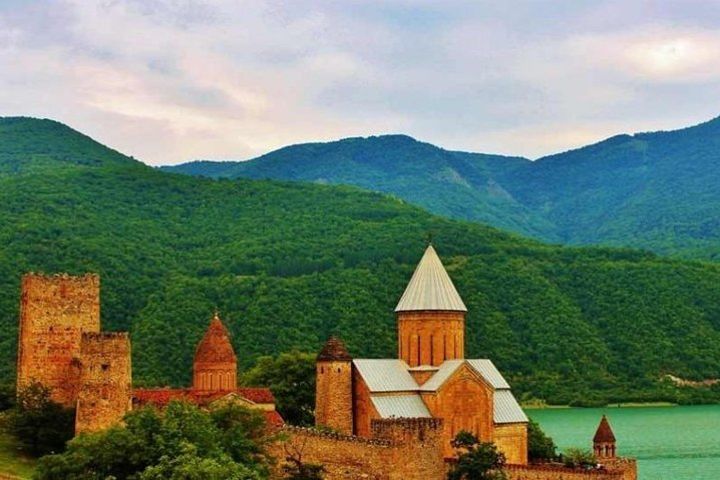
(40,425)
(541,448)
(578,458)
(296,469)
(655,191)
(288,264)
(7,396)
(476,460)
(182,442)
(291,378)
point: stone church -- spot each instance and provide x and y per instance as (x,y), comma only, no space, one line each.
(430,378)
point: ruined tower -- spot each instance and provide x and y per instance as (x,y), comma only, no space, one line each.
(215,365)
(105,393)
(333,387)
(604,440)
(54,313)
(430,316)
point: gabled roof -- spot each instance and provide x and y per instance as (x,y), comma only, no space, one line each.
(385,375)
(162,396)
(400,406)
(430,288)
(487,369)
(334,350)
(447,368)
(506,409)
(604,433)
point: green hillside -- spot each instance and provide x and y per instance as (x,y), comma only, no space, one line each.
(289,263)
(656,191)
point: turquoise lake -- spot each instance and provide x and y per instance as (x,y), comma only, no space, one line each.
(670,443)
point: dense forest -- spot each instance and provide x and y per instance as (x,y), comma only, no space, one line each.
(287,264)
(656,191)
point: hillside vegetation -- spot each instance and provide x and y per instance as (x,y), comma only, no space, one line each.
(289,263)
(656,191)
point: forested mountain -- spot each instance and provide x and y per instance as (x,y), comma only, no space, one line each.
(289,263)
(657,191)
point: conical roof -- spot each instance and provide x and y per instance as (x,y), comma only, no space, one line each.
(604,433)
(215,345)
(430,287)
(334,350)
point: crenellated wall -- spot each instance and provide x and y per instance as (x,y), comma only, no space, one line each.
(626,469)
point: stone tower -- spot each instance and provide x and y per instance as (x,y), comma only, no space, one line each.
(333,387)
(430,316)
(604,440)
(105,392)
(215,365)
(54,313)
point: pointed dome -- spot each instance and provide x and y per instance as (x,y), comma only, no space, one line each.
(604,433)
(215,345)
(334,350)
(430,288)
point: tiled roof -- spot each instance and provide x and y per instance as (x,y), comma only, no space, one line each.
(215,345)
(162,396)
(506,408)
(604,433)
(334,350)
(385,375)
(400,406)
(430,287)
(273,418)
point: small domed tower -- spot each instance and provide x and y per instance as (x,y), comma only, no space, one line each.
(215,365)
(604,440)
(430,316)
(333,387)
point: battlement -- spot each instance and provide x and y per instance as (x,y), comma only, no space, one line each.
(408,430)
(339,437)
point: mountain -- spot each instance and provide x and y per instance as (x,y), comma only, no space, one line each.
(455,184)
(288,263)
(655,191)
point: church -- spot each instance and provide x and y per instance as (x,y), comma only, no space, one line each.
(430,378)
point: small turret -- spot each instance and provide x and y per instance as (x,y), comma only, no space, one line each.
(215,365)
(604,440)
(333,387)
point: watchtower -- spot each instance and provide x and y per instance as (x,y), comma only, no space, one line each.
(333,387)
(604,440)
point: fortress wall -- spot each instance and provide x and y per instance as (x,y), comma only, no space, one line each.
(55,310)
(540,472)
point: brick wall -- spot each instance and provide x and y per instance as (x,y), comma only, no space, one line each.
(540,472)
(430,337)
(333,395)
(54,312)
(105,393)
(511,439)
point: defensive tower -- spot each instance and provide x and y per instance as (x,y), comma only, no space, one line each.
(54,313)
(430,316)
(333,389)
(215,365)
(105,381)
(604,440)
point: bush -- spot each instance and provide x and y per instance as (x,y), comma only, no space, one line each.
(579,458)
(541,448)
(476,460)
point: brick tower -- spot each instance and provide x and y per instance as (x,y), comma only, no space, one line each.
(105,392)
(333,387)
(430,316)
(604,440)
(54,313)
(215,365)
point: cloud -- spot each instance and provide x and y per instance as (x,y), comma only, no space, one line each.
(170,80)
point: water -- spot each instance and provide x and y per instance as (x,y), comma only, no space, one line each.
(670,443)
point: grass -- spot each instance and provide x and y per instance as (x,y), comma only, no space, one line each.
(13,462)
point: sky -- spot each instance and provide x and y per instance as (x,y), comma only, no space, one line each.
(170,81)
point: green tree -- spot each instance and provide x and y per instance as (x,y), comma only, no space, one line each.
(291,377)
(41,425)
(579,458)
(541,448)
(189,466)
(476,460)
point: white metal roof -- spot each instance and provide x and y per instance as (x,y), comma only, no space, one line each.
(446,369)
(386,375)
(506,408)
(400,406)
(489,372)
(430,287)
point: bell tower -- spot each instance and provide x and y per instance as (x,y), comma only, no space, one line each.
(604,440)
(430,316)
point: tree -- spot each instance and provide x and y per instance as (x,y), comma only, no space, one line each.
(291,378)
(181,442)
(579,458)
(541,448)
(41,425)
(476,460)
(295,468)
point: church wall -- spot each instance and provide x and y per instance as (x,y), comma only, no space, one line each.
(55,310)
(464,402)
(430,337)
(364,411)
(511,439)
